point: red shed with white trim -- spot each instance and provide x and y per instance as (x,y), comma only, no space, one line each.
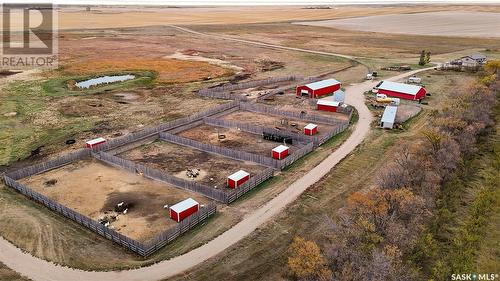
(184,209)
(320,88)
(327,105)
(280,152)
(95,142)
(237,179)
(401,90)
(310,129)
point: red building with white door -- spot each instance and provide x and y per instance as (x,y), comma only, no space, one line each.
(401,90)
(310,129)
(317,89)
(184,209)
(237,179)
(280,152)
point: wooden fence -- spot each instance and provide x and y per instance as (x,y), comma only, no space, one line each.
(212,193)
(253,182)
(150,131)
(259,108)
(254,129)
(110,234)
(239,155)
(170,234)
(223,92)
(49,165)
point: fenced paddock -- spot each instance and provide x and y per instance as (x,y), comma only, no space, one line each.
(259,108)
(224,91)
(143,249)
(151,131)
(237,154)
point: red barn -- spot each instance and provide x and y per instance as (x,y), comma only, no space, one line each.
(327,105)
(237,179)
(95,142)
(184,209)
(401,90)
(280,152)
(310,129)
(320,88)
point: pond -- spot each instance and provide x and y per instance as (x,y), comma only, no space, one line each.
(103,80)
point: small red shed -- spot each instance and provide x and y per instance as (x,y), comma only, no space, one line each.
(184,209)
(237,179)
(310,129)
(401,90)
(95,142)
(320,88)
(280,152)
(327,105)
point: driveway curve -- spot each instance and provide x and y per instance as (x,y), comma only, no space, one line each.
(40,270)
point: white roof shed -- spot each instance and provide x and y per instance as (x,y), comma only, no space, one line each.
(238,175)
(389,115)
(184,205)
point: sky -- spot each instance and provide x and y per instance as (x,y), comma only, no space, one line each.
(242,2)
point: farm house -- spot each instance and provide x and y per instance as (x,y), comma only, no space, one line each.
(401,90)
(280,152)
(237,179)
(95,142)
(184,209)
(310,129)
(327,104)
(389,117)
(320,88)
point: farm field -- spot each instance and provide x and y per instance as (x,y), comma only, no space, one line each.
(361,44)
(432,23)
(270,121)
(234,139)
(94,189)
(176,159)
(106,17)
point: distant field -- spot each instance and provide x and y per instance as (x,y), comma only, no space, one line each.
(105,17)
(469,24)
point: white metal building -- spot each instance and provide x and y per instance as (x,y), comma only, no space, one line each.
(389,117)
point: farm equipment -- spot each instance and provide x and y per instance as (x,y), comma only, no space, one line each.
(277,138)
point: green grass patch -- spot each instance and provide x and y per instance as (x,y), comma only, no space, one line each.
(59,86)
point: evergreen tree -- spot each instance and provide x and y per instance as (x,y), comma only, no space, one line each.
(422,58)
(428,57)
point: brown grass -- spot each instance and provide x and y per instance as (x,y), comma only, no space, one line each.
(101,17)
(170,70)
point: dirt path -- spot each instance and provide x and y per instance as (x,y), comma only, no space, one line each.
(262,44)
(41,270)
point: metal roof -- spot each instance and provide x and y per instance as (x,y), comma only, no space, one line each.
(399,87)
(94,141)
(238,175)
(310,126)
(389,114)
(477,56)
(184,205)
(328,102)
(280,148)
(322,84)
